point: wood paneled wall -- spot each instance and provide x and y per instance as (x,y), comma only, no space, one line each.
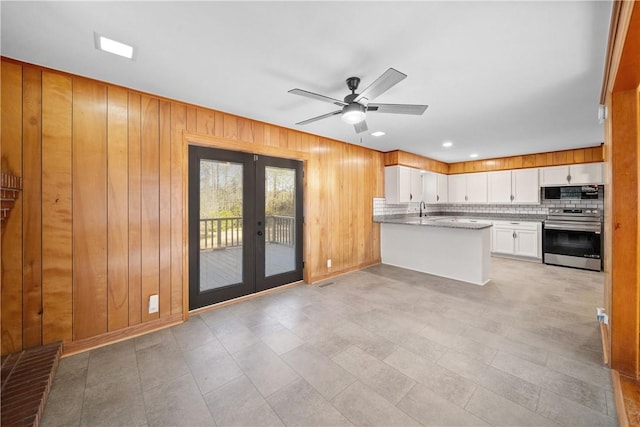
(553,158)
(399,157)
(622,268)
(98,227)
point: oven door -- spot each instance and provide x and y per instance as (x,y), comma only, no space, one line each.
(576,247)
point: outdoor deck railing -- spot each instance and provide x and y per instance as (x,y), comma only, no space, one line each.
(220,233)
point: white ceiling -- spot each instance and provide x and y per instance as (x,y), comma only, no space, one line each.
(500,78)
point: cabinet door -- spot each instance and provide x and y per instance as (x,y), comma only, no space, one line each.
(457,188)
(525,186)
(588,173)
(499,184)
(503,240)
(430,187)
(526,243)
(554,175)
(442,194)
(477,187)
(415,185)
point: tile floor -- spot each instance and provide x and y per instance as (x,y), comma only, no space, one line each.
(383,346)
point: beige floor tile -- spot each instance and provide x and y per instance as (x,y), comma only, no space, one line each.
(431,409)
(362,406)
(239,403)
(327,377)
(382,378)
(299,404)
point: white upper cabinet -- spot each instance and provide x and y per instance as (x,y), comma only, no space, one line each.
(434,187)
(525,184)
(468,188)
(402,184)
(477,187)
(457,188)
(514,186)
(500,187)
(586,173)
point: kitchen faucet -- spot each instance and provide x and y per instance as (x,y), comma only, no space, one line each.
(421,205)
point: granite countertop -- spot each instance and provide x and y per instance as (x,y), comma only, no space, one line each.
(432,222)
(494,216)
(452,219)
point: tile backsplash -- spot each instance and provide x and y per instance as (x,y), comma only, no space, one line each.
(380,207)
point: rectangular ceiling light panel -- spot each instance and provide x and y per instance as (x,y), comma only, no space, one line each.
(112,46)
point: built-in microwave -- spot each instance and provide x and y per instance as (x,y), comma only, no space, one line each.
(575,192)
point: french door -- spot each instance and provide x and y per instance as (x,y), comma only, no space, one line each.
(245,224)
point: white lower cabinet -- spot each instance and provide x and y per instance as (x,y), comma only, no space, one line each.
(517,238)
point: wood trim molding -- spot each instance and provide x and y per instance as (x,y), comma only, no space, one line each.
(611,62)
(245,298)
(322,277)
(80,346)
(621,410)
(246,147)
(536,160)
(620,21)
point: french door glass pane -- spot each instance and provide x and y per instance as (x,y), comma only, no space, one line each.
(220,224)
(280,216)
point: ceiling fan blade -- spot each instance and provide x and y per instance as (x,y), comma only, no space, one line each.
(386,81)
(398,108)
(315,119)
(361,126)
(318,97)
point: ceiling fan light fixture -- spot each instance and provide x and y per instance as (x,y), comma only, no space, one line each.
(353,113)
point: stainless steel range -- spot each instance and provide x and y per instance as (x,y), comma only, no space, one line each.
(573,238)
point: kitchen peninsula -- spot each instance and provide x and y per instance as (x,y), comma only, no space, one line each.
(452,249)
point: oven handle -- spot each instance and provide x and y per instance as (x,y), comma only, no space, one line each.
(572,227)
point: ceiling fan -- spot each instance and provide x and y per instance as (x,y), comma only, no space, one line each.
(355,106)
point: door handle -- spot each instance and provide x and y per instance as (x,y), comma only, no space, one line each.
(260,233)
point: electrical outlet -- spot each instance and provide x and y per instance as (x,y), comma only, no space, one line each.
(153,303)
(329,263)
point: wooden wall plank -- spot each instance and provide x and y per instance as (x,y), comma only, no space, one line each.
(150,198)
(135,210)
(12,228)
(32,208)
(555,158)
(205,121)
(118,209)
(245,129)
(192,119)
(219,124)
(230,126)
(89,208)
(178,125)
(625,196)
(57,245)
(165,208)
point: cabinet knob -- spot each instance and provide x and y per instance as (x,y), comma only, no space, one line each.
(437,198)
(410,196)
(512,197)
(466,198)
(514,234)
(568,178)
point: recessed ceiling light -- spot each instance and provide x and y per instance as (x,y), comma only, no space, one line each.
(112,46)
(378,133)
(447,144)
(474,155)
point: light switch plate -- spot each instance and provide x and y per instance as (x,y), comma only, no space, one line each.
(153,303)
